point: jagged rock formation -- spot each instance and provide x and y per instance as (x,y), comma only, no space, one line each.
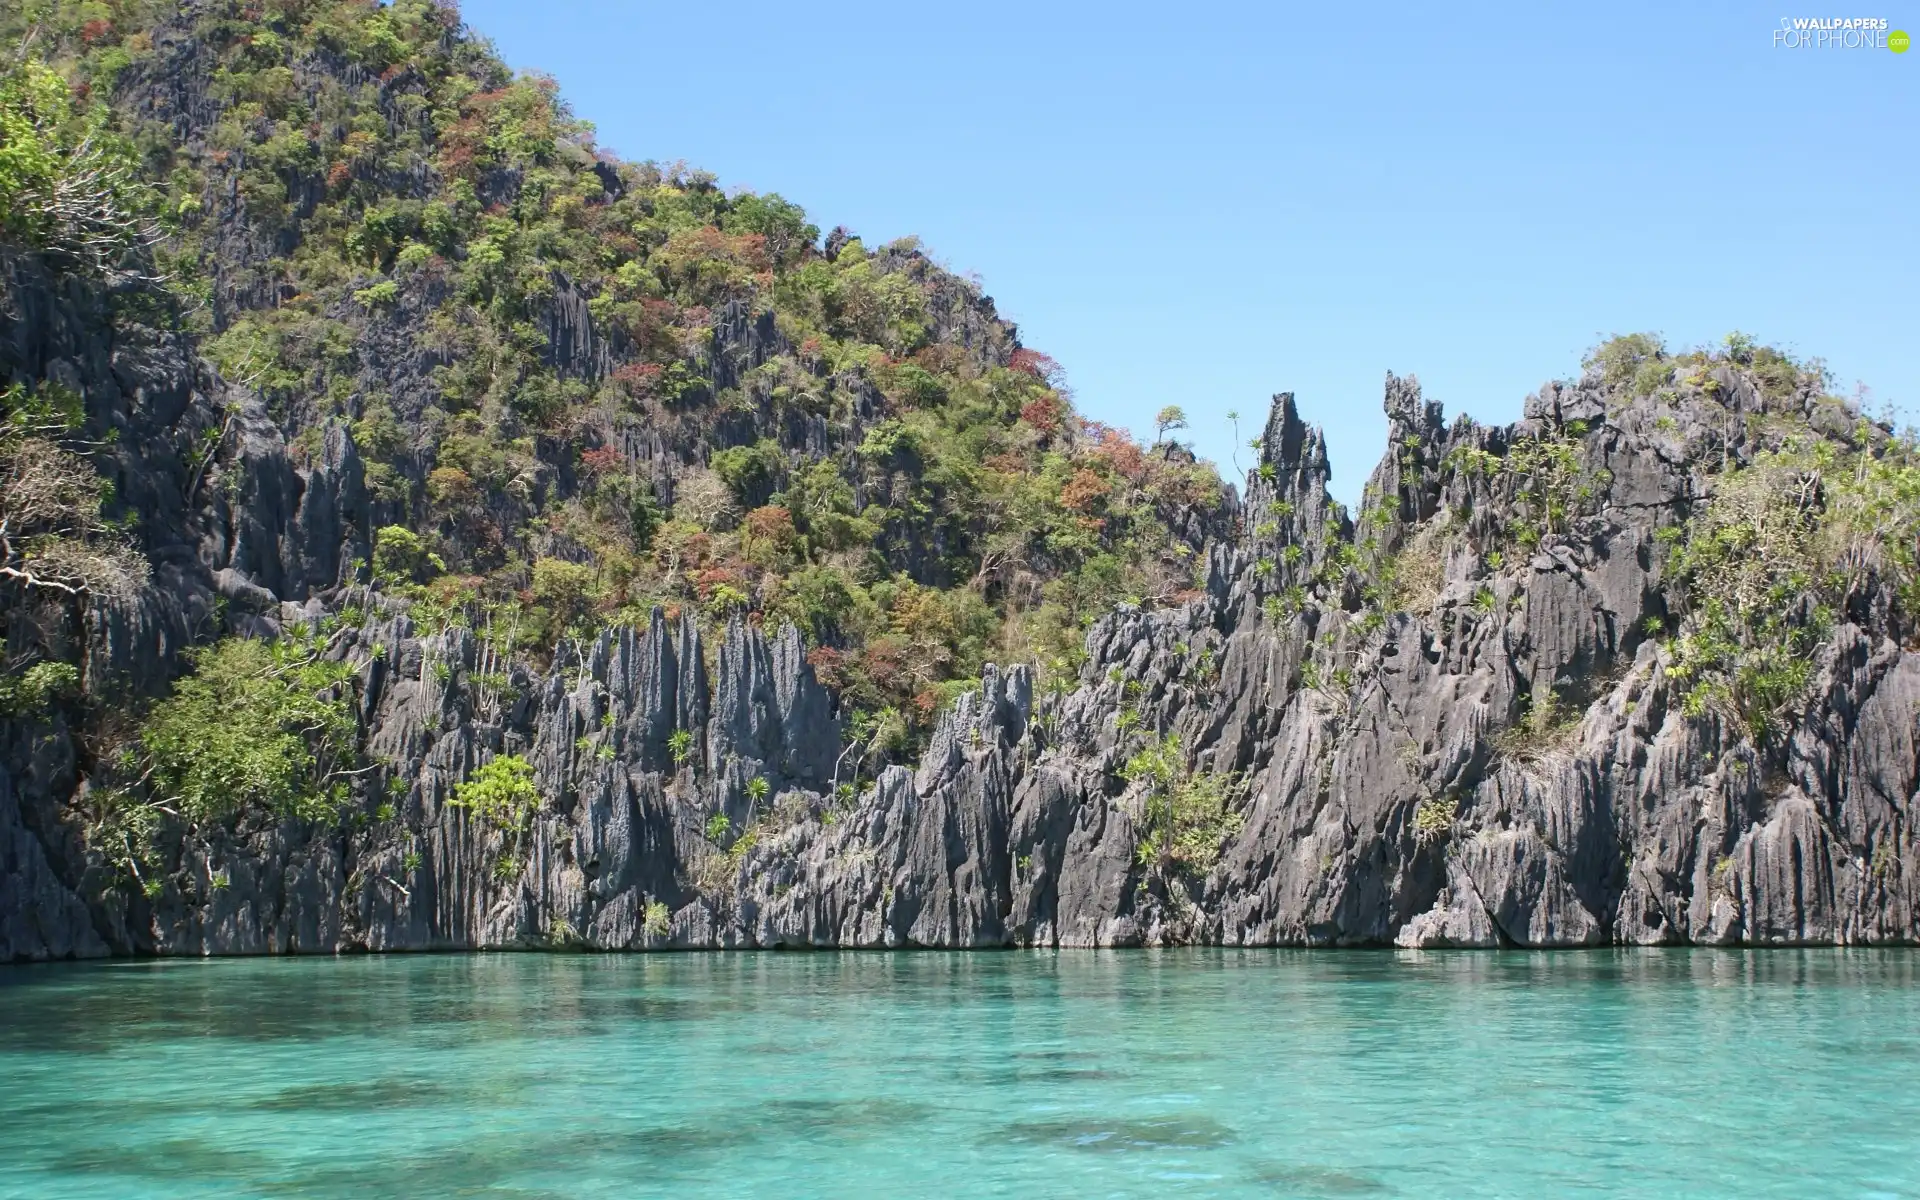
(1438,732)
(1642,825)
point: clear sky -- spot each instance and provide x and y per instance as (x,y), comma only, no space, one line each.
(1206,204)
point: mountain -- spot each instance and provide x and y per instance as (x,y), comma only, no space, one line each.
(423,529)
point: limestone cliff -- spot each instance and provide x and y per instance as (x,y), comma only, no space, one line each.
(1639,668)
(1635,823)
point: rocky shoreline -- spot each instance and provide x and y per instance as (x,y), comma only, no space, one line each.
(1638,824)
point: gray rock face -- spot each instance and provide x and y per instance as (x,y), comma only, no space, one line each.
(1638,824)
(1456,751)
(40,917)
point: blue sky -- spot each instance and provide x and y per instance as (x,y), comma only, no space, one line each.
(1204,205)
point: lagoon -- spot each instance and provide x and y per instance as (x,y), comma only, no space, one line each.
(1071,1073)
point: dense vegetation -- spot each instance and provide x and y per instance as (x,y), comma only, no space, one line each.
(583,387)
(1821,523)
(1815,530)
(68,192)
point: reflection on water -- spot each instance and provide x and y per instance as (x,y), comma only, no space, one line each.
(1258,1073)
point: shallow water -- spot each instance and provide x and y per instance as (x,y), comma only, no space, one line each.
(1256,1073)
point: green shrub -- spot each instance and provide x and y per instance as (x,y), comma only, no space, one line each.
(68,185)
(1637,358)
(1548,482)
(743,845)
(1544,729)
(1186,816)
(501,792)
(657,920)
(1433,817)
(750,472)
(783,225)
(1781,548)
(257,723)
(401,557)
(680,745)
(380,295)
(643,518)
(919,388)
(567,590)
(33,691)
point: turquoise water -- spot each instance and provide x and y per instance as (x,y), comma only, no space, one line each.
(1255,1073)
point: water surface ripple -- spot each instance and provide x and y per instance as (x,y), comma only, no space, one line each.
(1080,1073)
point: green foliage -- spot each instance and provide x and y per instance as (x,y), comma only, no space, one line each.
(1782,548)
(743,845)
(1638,360)
(888,441)
(918,387)
(1544,478)
(680,745)
(821,502)
(966,513)
(643,518)
(1870,526)
(501,792)
(68,184)
(1433,817)
(566,591)
(257,723)
(1546,727)
(380,295)
(401,557)
(750,472)
(32,692)
(726,598)
(48,410)
(718,826)
(656,920)
(1186,816)
(787,233)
